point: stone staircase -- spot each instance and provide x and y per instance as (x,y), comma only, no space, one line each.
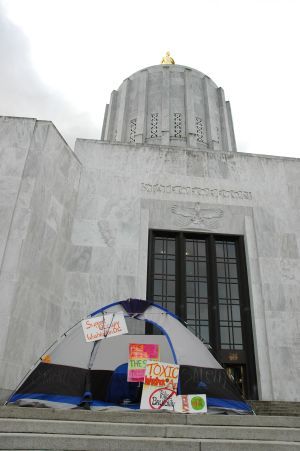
(48,429)
(279,408)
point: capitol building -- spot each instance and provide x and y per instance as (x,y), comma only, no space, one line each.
(164,207)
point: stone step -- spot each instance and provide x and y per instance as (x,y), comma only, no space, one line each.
(276,408)
(144,417)
(83,442)
(52,429)
(149,430)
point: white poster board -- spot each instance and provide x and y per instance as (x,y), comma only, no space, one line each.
(104,326)
(191,404)
(160,386)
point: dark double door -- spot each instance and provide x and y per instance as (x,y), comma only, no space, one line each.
(202,278)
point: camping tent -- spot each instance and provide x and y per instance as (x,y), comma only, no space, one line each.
(75,372)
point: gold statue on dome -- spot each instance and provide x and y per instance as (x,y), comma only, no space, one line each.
(167,59)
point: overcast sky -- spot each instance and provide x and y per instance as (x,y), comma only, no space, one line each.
(60,60)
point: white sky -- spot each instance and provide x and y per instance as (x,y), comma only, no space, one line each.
(60,60)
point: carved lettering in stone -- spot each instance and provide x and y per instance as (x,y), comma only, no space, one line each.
(203,218)
(181,189)
(196,191)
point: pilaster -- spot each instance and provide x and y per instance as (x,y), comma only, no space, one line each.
(225,131)
(231,129)
(207,113)
(190,126)
(109,134)
(141,128)
(121,112)
(165,107)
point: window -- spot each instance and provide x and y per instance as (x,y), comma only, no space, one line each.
(202,279)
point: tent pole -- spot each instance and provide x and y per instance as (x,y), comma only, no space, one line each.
(88,396)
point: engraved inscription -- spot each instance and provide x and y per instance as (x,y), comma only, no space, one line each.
(196,191)
(203,218)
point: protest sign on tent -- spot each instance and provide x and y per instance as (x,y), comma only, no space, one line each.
(160,386)
(191,404)
(104,326)
(139,353)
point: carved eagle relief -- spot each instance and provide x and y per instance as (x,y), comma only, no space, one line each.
(206,218)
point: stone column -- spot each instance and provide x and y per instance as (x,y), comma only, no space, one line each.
(110,127)
(207,113)
(225,131)
(165,107)
(104,122)
(121,113)
(141,126)
(231,129)
(190,126)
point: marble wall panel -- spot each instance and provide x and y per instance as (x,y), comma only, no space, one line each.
(104,259)
(289,246)
(48,243)
(53,319)
(15,140)
(124,288)
(270,269)
(290,270)
(9,187)
(67,223)
(219,165)
(39,240)
(282,327)
(77,288)
(102,288)
(196,164)
(8,289)
(78,258)
(294,195)
(55,212)
(16,135)
(89,207)
(93,233)
(284,370)
(135,159)
(14,373)
(281,297)
(5,221)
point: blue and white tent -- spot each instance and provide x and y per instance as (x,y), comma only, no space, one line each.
(78,373)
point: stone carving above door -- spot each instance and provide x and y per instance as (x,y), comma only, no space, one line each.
(197,216)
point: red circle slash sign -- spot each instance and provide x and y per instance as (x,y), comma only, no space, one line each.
(157,402)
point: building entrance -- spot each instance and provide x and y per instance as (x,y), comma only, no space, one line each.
(202,278)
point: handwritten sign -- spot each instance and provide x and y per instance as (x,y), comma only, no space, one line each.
(104,326)
(191,404)
(160,386)
(138,356)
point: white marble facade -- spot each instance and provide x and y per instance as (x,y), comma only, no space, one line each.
(74,236)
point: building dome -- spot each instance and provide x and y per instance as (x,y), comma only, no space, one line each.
(170,105)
